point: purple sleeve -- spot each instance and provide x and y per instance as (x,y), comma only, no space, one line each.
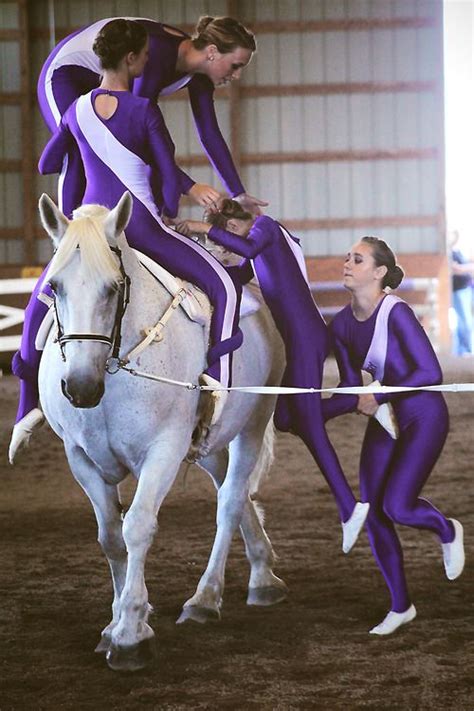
(423,365)
(186,182)
(258,238)
(350,377)
(52,157)
(201,94)
(243,272)
(162,151)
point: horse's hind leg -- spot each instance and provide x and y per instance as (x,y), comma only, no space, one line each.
(105,501)
(235,508)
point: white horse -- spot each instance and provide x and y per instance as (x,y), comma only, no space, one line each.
(113,424)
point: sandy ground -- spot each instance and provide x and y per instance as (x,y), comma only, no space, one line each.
(312,651)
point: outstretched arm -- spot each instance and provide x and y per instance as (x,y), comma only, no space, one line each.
(260,235)
(338,405)
(201,94)
(162,151)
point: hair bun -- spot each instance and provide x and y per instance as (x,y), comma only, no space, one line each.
(394,277)
(202,23)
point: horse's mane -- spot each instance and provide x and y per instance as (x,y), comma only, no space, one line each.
(86,233)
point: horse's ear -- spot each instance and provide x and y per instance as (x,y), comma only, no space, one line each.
(53,220)
(118,218)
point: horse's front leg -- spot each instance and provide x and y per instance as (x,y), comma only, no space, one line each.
(105,500)
(132,645)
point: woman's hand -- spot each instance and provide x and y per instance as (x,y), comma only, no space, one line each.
(250,203)
(188,228)
(367,404)
(204,195)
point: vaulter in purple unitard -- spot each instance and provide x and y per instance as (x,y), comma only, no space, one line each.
(277,260)
(380,334)
(219,50)
(121,138)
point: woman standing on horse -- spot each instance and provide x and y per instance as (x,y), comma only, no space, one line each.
(220,48)
(120,137)
(380,334)
(277,260)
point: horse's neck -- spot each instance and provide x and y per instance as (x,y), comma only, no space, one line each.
(148,297)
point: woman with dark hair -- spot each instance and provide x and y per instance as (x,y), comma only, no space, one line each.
(278,262)
(379,333)
(216,55)
(121,137)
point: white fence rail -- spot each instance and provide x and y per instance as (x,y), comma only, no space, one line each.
(11,315)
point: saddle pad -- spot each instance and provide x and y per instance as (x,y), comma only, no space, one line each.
(196,304)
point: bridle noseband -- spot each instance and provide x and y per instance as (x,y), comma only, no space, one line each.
(115,339)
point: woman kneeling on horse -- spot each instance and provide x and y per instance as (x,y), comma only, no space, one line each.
(120,137)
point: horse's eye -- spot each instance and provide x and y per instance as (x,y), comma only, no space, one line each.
(53,286)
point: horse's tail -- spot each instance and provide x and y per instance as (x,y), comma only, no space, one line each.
(265,459)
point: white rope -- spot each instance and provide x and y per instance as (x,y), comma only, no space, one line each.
(282,390)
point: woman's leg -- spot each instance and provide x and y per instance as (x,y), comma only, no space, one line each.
(375,465)
(25,363)
(305,369)
(25,366)
(418,450)
(307,422)
(188,260)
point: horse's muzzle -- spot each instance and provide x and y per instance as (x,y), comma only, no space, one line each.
(82,394)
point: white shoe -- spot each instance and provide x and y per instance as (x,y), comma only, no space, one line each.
(394,620)
(453,553)
(219,397)
(353,526)
(22,432)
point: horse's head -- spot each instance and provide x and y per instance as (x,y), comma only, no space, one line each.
(89,284)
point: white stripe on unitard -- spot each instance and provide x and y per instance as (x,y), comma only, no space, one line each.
(297,251)
(299,256)
(374,362)
(133,173)
(78,51)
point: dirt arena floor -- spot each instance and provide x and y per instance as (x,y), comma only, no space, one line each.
(311,652)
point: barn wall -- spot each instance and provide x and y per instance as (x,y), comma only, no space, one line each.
(338,120)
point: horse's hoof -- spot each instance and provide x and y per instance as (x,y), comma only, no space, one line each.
(104,644)
(133,657)
(268,595)
(193,613)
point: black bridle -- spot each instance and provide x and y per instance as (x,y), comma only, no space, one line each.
(115,339)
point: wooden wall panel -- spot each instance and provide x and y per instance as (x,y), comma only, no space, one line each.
(352,82)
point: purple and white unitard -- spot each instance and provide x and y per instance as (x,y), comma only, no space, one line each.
(279,266)
(72,69)
(117,154)
(392,346)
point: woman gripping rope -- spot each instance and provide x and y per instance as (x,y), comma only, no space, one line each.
(379,333)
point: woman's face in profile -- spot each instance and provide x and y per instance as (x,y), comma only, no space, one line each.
(359,266)
(224,68)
